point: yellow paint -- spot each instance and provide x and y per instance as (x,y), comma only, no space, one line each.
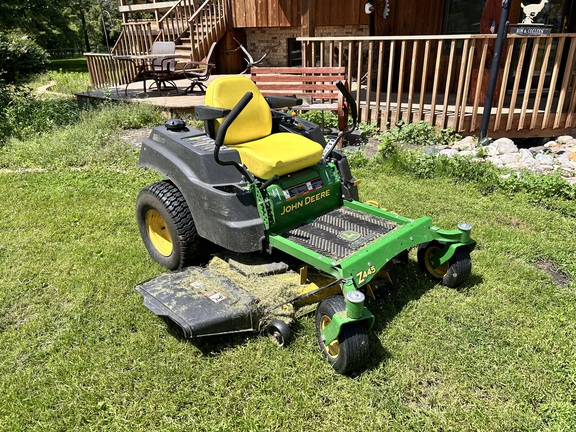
(158,233)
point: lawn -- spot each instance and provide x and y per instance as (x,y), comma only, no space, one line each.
(77,64)
(79,351)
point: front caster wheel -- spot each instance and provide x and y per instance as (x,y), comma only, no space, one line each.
(280,332)
(452,273)
(349,352)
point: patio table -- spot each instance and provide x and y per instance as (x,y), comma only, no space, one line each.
(142,64)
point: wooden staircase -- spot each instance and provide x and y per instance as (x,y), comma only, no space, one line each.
(192,26)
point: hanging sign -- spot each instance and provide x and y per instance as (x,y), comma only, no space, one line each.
(530,29)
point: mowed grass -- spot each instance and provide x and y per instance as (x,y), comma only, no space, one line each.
(79,351)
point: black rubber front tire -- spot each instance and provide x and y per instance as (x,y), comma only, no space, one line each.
(166,226)
(451,274)
(349,352)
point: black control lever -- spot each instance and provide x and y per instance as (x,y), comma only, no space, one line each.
(353,109)
(219,141)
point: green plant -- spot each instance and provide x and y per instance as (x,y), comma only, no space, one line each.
(93,139)
(421,134)
(25,114)
(20,56)
(322,118)
(369,129)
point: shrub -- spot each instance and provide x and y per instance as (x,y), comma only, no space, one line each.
(20,56)
(421,134)
(330,119)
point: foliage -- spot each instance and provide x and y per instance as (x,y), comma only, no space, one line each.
(93,140)
(369,129)
(68,83)
(24,114)
(19,57)
(486,176)
(315,116)
(63,24)
(420,134)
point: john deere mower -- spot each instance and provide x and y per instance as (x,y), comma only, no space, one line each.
(272,212)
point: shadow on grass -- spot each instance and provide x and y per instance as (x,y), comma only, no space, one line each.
(409,285)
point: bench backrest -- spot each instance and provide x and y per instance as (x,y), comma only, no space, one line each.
(314,83)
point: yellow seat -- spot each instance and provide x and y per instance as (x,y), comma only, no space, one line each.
(263,153)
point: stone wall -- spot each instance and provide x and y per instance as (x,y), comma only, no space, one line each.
(274,41)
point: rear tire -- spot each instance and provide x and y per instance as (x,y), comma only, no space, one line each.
(349,352)
(166,226)
(452,273)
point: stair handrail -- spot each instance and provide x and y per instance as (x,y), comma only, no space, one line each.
(217,15)
(167,34)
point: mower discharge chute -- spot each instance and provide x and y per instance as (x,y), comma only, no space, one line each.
(282,206)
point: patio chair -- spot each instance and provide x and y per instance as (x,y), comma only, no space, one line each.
(198,72)
(161,69)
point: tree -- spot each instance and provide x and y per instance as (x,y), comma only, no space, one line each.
(60,23)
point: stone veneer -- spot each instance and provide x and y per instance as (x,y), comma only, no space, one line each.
(274,41)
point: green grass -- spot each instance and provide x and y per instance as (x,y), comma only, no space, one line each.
(77,64)
(79,351)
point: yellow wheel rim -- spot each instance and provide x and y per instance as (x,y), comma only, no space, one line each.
(159,233)
(437,272)
(333,349)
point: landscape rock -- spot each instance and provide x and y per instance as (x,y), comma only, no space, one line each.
(545,159)
(467,143)
(564,139)
(510,158)
(558,156)
(502,146)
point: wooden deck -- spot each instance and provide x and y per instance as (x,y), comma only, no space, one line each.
(176,103)
(173,103)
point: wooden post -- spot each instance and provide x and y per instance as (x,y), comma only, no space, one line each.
(308,18)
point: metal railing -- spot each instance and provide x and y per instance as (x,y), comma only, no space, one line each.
(443,79)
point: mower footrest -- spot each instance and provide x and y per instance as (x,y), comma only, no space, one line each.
(341,232)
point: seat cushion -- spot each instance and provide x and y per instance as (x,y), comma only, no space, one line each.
(254,122)
(279,154)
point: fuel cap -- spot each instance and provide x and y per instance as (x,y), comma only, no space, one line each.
(175,124)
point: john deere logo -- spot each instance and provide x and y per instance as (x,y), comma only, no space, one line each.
(350,235)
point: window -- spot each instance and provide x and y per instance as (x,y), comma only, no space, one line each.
(462,16)
(294,52)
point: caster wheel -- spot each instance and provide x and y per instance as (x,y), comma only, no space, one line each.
(452,273)
(349,352)
(280,332)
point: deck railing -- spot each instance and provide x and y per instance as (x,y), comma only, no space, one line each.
(176,22)
(206,23)
(443,80)
(106,71)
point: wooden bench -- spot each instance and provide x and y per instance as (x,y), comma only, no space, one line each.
(315,85)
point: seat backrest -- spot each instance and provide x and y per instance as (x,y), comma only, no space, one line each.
(254,122)
(163,48)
